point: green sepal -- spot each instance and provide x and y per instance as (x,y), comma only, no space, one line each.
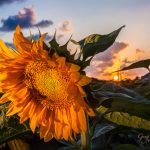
(83,64)
(54,45)
(63,51)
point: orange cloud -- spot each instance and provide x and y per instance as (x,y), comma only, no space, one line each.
(139,51)
(101,64)
(116,57)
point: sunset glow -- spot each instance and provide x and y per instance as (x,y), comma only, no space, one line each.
(116,78)
(131,45)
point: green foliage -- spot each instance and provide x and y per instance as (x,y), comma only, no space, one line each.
(139,85)
(114,105)
(54,45)
(125,147)
(140,64)
(103,128)
(10,128)
(144,90)
(96,43)
(125,119)
(125,107)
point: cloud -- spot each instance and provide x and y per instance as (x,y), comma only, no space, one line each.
(3,2)
(36,37)
(64,28)
(59,36)
(126,61)
(103,61)
(26,18)
(44,23)
(130,60)
(139,51)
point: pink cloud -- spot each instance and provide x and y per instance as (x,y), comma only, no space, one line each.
(104,60)
(66,26)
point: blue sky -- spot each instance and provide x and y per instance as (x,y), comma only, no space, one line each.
(91,16)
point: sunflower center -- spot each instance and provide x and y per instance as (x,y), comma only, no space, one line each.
(49,82)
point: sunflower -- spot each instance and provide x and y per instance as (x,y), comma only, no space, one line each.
(45,89)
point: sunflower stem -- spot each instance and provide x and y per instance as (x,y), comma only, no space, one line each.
(85,137)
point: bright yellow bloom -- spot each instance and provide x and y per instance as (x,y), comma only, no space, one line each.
(47,90)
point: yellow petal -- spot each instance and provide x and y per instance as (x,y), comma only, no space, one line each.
(33,119)
(66,127)
(40,41)
(82,91)
(43,130)
(72,91)
(74,120)
(33,122)
(74,68)
(49,123)
(21,43)
(51,63)
(58,123)
(5,98)
(75,76)
(42,117)
(82,119)
(48,137)
(12,110)
(61,61)
(24,115)
(86,107)
(38,46)
(90,112)
(33,108)
(6,52)
(84,81)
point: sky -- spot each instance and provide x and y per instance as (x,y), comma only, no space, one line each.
(81,18)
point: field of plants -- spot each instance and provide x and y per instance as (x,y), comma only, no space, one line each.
(98,115)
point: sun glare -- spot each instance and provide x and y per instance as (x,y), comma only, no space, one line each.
(116,78)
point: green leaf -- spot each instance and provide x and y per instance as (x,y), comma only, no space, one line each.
(96,43)
(125,147)
(100,85)
(137,108)
(125,119)
(11,128)
(102,129)
(124,103)
(74,42)
(140,64)
(144,90)
(54,45)
(103,90)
